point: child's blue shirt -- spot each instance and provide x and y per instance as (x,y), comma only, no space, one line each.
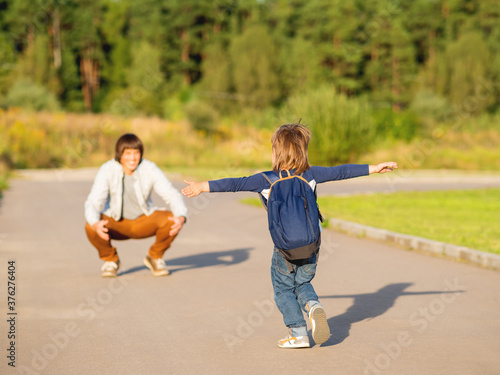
(257,183)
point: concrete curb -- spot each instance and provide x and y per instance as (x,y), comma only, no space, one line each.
(461,253)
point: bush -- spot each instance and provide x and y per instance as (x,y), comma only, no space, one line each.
(396,125)
(342,127)
(133,101)
(430,105)
(202,116)
(29,95)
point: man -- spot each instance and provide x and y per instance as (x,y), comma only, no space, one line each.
(119,207)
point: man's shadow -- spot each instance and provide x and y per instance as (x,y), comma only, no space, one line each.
(215,258)
(368,306)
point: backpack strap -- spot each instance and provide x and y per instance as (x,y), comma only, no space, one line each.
(265,174)
(316,195)
(271,178)
(287,171)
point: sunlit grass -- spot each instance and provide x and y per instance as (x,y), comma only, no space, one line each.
(65,140)
(463,150)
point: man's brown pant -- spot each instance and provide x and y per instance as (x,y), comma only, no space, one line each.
(158,224)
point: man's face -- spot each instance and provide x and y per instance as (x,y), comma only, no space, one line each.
(130,160)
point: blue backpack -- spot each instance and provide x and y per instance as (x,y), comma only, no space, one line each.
(293,216)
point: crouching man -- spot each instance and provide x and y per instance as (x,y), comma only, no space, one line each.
(119,207)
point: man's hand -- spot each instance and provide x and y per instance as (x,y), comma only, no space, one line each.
(101,229)
(195,188)
(383,167)
(177,226)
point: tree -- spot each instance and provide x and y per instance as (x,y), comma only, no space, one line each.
(7,65)
(216,85)
(470,64)
(299,63)
(254,66)
(115,30)
(30,33)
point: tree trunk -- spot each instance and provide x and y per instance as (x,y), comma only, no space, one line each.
(445,11)
(89,73)
(337,44)
(31,38)
(374,57)
(57,38)
(185,57)
(432,48)
(396,86)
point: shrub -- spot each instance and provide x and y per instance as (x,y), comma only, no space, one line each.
(430,105)
(133,101)
(396,125)
(202,116)
(29,95)
(342,127)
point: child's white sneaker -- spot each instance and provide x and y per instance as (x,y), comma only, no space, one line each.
(319,324)
(291,342)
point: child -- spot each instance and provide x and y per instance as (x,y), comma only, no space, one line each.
(293,291)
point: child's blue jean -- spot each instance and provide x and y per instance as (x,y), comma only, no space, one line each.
(293,289)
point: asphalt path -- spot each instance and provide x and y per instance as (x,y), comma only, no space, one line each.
(390,311)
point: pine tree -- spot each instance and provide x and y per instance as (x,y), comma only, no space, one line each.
(255,67)
(216,85)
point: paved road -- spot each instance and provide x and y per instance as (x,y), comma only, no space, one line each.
(390,311)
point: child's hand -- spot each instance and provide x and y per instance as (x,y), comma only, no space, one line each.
(195,188)
(383,167)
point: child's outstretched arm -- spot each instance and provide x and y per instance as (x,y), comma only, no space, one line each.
(382,167)
(195,188)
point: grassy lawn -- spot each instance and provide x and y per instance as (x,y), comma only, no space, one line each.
(467,218)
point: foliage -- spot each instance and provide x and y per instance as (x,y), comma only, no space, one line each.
(300,71)
(32,96)
(58,140)
(255,78)
(202,117)
(396,71)
(396,125)
(254,54)
(430,105)
(216,86)
(474,147)
(342,127)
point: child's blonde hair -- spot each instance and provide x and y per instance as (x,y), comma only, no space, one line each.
(290,143)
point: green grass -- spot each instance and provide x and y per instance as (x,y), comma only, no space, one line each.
(468,218)
(4,175)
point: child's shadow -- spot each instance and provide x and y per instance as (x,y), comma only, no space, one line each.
(367,306)
(216,258)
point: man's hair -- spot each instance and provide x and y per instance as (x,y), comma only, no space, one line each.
(290,143)
(127,141)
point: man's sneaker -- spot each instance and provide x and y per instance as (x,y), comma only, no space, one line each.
(319,324)
(291,342)
(109,269)
(157,266)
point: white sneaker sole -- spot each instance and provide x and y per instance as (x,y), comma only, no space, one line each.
(284,344)
(319,323)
